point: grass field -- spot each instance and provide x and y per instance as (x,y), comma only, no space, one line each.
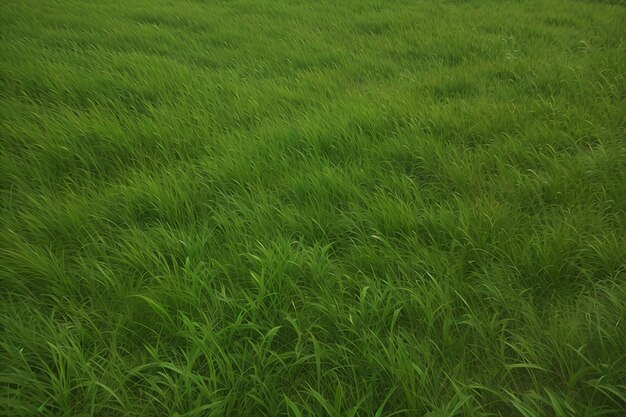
(313,208)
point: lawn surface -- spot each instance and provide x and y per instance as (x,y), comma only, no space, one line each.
(312,208)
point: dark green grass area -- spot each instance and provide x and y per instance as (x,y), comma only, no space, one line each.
(312,208)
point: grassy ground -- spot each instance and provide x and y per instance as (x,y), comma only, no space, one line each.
(312,208)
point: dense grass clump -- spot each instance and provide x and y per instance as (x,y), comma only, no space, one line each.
(312,208)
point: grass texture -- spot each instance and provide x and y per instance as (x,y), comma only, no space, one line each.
(312,208)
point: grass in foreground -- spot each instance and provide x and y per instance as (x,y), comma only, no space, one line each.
(359,208)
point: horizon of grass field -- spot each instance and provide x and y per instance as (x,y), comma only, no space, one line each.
(296,208)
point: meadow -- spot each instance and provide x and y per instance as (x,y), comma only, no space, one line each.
(313,208)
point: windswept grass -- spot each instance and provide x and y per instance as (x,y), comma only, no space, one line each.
(312,208)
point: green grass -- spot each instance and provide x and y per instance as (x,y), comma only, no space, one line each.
(312,208)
